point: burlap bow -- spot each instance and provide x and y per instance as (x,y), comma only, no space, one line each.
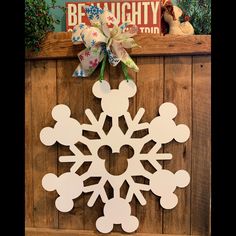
(103,39)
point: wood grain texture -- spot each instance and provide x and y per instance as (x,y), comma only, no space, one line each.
(43,79)
(70,93)
(178,91)
(171,45)
(150,96)
(59,45)
(115,77)
(90,101)
(65,232)
(29,200)
(49,82)
(201,151)
(132,110)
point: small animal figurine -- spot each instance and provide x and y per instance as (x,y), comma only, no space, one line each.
(175,27)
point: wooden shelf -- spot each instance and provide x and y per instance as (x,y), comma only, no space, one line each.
(59,45)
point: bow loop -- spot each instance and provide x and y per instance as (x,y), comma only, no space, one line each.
(92,36)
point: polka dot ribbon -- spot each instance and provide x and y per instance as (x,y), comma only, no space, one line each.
(104,40)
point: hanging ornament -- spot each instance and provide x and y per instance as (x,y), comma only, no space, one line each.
(68,132)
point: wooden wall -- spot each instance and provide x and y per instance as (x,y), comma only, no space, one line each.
(183,78)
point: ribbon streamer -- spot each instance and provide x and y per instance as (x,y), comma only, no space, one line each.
(104,39)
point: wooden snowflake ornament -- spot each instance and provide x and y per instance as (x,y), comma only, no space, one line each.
(68,131)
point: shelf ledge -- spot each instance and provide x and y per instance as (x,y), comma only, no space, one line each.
(59,45)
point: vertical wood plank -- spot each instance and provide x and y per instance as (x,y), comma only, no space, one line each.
(150,97)
(70,93)
(90,101)
(133,110)
(178,73)
(43,92)
(43,79)
(115,77)
(29,200)
(201,149)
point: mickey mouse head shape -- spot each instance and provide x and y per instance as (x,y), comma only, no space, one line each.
(61,113)
(68,185)
(117,211)
(163,129)
(115,102)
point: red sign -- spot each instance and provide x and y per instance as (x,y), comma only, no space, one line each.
(145,14)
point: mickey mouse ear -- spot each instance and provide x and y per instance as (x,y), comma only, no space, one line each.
(182,178)
(104,225)
(64,204)
(128,88)
(47,136)
(61,112)
(101,88)
(168,110)
(182,133)
(49,182)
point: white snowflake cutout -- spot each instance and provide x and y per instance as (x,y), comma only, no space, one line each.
(115,103)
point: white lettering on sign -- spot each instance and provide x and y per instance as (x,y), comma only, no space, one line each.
(145,11)
(72,13)
(136,14)
(145,14)
(152,30)
(81,14)
(154,11)
(125,7)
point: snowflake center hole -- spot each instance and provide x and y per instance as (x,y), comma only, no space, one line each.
(116,163)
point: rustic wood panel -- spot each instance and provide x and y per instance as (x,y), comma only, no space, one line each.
(49,82)
(65,232)
(201,150)
(132,110)
(90,101)
(43,80)
(150,96)
(70,93)
(29,188)
(178,91)
(59,45)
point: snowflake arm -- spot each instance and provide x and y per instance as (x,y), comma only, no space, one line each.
(134,189)
(133,125)
(155,148)
(155,164)
(157,156)
(98,190)
(96,125)
(75,150)
(153,158)
(78,158)
(77,162)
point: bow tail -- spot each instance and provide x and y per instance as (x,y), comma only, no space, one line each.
(89,60)
(121,53)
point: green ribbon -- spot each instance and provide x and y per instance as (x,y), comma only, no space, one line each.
(123,66)
(125,71)
(101,76)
